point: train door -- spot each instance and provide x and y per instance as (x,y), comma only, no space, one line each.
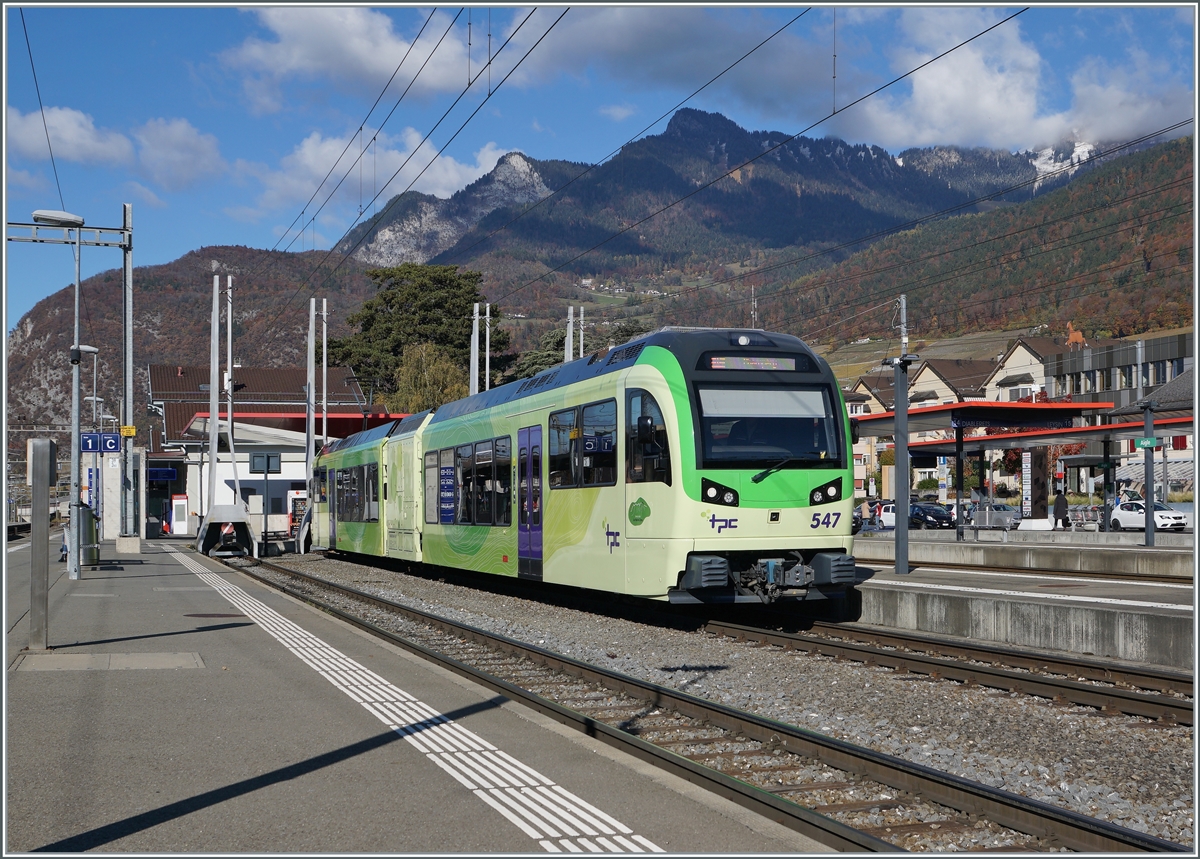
(529,506)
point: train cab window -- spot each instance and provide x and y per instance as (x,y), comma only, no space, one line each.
(322,485)
(564,444)
(503,478)
(465,484)
(431,487)
(599,444)
(484,486)
(647,451)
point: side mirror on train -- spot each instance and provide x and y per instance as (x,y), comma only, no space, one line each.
(645,429)
(854,430)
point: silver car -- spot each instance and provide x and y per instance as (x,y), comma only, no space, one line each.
(996,515)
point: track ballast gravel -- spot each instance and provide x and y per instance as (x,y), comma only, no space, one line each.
(1122,769)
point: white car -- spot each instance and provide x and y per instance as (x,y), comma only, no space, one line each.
(1132,515)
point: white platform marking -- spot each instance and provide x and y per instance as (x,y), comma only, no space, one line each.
(526,798)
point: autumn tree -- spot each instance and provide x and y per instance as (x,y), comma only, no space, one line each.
(426,378)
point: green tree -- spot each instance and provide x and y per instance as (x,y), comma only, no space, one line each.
(415,304)
(550,353)
(426,378)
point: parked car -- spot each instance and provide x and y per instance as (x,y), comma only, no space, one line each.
(887,518)
(994,515)
(929,515)
(856,520)
(1132,515)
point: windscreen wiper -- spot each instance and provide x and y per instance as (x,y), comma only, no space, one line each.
(763,475)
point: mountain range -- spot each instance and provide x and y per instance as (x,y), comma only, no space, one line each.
(671,229)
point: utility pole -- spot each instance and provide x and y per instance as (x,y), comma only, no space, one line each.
(309,399)
(474,383)
(487,346)
(324,375)
(569,345)
(214,372)
(581,331)
(229,386)
(903,478)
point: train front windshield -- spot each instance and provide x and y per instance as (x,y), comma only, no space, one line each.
(760,427)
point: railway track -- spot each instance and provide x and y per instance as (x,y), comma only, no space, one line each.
(846,796)
(1066,679)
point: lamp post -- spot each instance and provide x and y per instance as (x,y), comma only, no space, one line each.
(68,221)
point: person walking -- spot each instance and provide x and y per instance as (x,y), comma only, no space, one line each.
(1060,510)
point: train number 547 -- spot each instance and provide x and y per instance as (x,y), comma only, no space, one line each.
(829,520)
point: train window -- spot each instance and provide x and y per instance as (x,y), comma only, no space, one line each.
(370,487)
(431,487)
(535,495)
(599,444)
(564,443)
(646,461)
(464,483)
(523,484)
(484,486)
(322,488)
(503,451)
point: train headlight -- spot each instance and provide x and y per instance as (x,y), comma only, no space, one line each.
(826,493)
(716,493)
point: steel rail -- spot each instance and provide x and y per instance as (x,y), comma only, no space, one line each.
(1070,829)
(1140,676)
(1107,698)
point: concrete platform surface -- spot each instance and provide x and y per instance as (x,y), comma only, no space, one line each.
(183,707)
(1130,620)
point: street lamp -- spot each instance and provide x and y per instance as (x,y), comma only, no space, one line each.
(55,218)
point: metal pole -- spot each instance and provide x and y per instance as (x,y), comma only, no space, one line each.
(213,408)
(237,484)
(75,502)
(42,454)
(1105,471)
(902,475)
(324,376)
(581,331)
(487,347)
(309,399)
(128,526)
(959,507)
(1148,493)
(569,346)
(474,383)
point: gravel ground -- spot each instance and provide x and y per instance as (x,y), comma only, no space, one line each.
(1117,768)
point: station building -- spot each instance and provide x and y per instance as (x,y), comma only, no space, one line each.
(268,419)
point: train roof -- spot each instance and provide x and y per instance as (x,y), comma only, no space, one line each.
(376,434)
(687,344)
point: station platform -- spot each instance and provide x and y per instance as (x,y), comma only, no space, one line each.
(1143,615)
(183,707)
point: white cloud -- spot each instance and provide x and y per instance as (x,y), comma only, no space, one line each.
(144,194)
(175,155)
(349,46)
(618,112)
(73,135)
(1119,102)
(22,179)
(301,171)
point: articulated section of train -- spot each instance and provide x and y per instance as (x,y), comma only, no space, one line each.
(689,465)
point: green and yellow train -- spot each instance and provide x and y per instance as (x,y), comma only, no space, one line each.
(688,465)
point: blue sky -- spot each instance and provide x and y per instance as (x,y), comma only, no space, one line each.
(218,124)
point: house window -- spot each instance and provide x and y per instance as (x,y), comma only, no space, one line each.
(1127,376)
(1176,367)
(1160,372)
